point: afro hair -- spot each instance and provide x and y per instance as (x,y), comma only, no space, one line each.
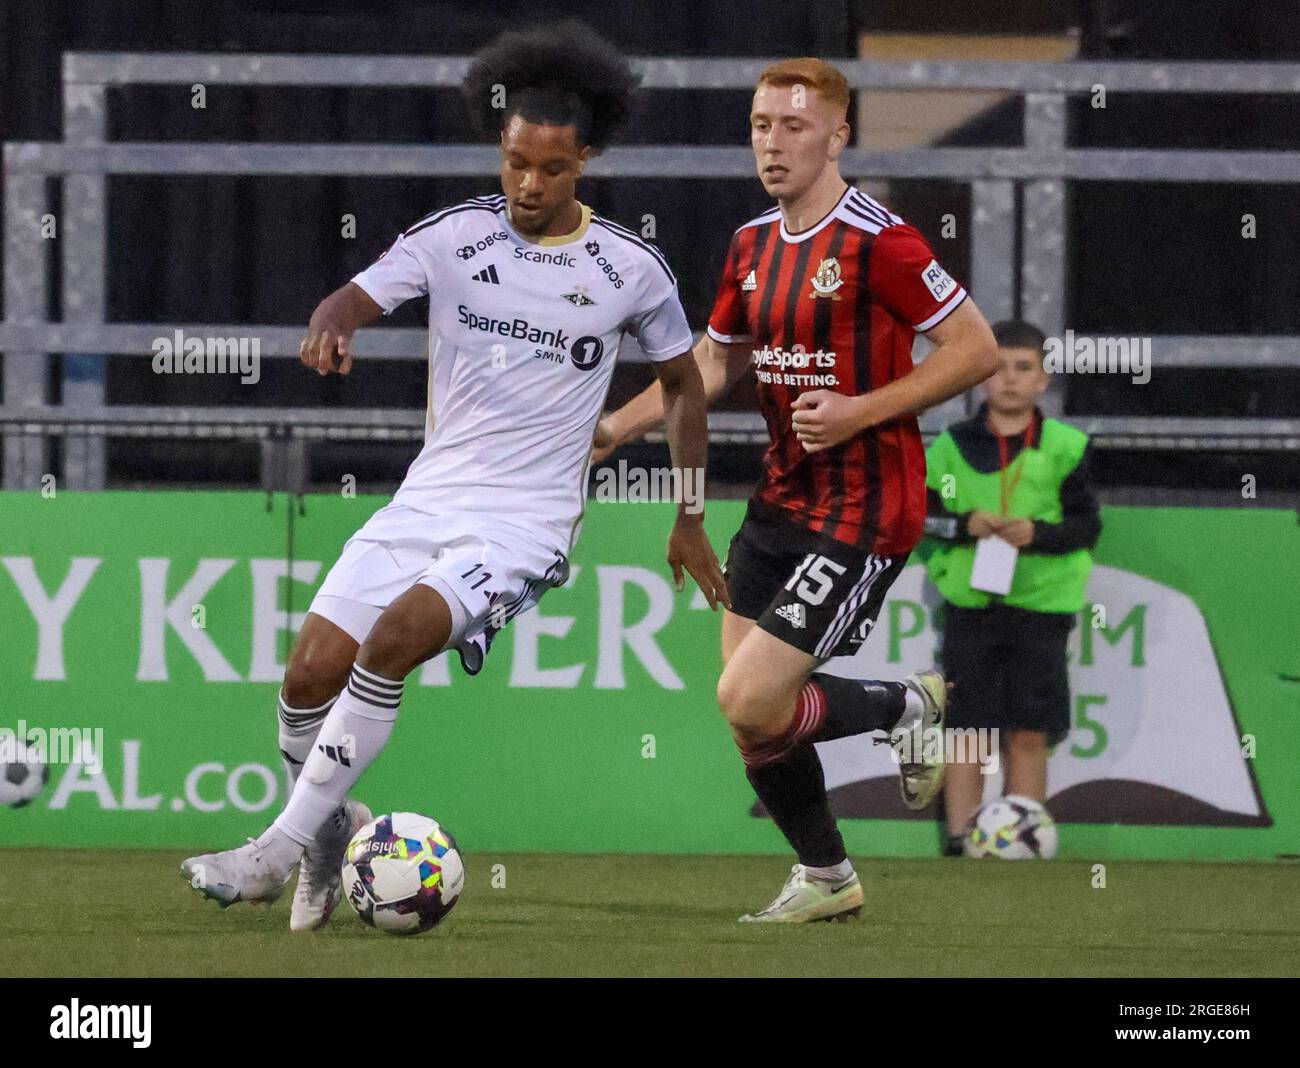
(561,74)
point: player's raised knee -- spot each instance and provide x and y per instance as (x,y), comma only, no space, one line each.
(312,678)
(730,695)
(742,703)
(412,629)
(392,648)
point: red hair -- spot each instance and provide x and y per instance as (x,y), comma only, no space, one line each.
(814,73)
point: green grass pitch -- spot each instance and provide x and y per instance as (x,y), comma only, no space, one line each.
(129,913)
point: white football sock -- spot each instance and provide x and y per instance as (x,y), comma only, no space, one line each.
(279,852)
(352,736)
(836,873)
(913,706)
(298,730)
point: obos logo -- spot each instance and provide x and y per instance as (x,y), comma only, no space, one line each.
(586,352)
(466,252)
(593,249)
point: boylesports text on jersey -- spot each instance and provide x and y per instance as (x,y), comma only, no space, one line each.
(781,358)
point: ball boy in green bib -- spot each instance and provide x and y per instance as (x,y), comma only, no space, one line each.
(1015,518)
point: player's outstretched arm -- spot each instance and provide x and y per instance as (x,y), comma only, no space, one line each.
(328,344)
(720,367)
(965,354)
(685,412)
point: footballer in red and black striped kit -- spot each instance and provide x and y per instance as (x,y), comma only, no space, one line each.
(820,300)
(836,307)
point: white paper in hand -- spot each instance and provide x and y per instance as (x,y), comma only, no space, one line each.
(995,565)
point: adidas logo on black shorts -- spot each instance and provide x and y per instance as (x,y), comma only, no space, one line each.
(793,614)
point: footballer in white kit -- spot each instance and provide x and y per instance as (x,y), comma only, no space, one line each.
(531,295)
(523,336)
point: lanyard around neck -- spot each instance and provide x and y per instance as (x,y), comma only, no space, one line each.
(1007,480)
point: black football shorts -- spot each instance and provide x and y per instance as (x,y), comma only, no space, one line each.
(1008,669)
(807,589)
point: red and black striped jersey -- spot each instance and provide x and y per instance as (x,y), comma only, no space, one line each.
(836,307)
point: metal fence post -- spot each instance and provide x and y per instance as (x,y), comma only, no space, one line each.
(26,455)
(1043,234)
(85,270)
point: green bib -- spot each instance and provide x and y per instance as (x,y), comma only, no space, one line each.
(1042,583)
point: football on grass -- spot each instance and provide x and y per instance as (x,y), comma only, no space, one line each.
(1012,828)
(402,873)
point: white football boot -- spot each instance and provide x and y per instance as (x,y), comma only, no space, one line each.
(320,872)
(918,740)
(242,874)
(805,899)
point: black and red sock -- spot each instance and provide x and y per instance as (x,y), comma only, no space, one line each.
(787,774)
(830,707)
(853,706)
(793,790)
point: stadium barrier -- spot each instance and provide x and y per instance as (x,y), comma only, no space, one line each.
(1041,167)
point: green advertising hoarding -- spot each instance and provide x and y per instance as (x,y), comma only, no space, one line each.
(162,620)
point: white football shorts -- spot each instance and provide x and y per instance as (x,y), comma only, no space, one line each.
(487,571)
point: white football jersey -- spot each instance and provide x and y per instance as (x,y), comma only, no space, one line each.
(522,342)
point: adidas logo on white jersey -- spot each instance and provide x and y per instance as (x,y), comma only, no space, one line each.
(488,274)
(793,614)
(750,283)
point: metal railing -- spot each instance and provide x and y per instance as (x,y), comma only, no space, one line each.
(84,160)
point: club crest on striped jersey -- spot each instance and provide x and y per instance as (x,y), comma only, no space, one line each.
(827,279)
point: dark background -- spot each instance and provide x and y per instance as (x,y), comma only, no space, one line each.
(1158,258)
